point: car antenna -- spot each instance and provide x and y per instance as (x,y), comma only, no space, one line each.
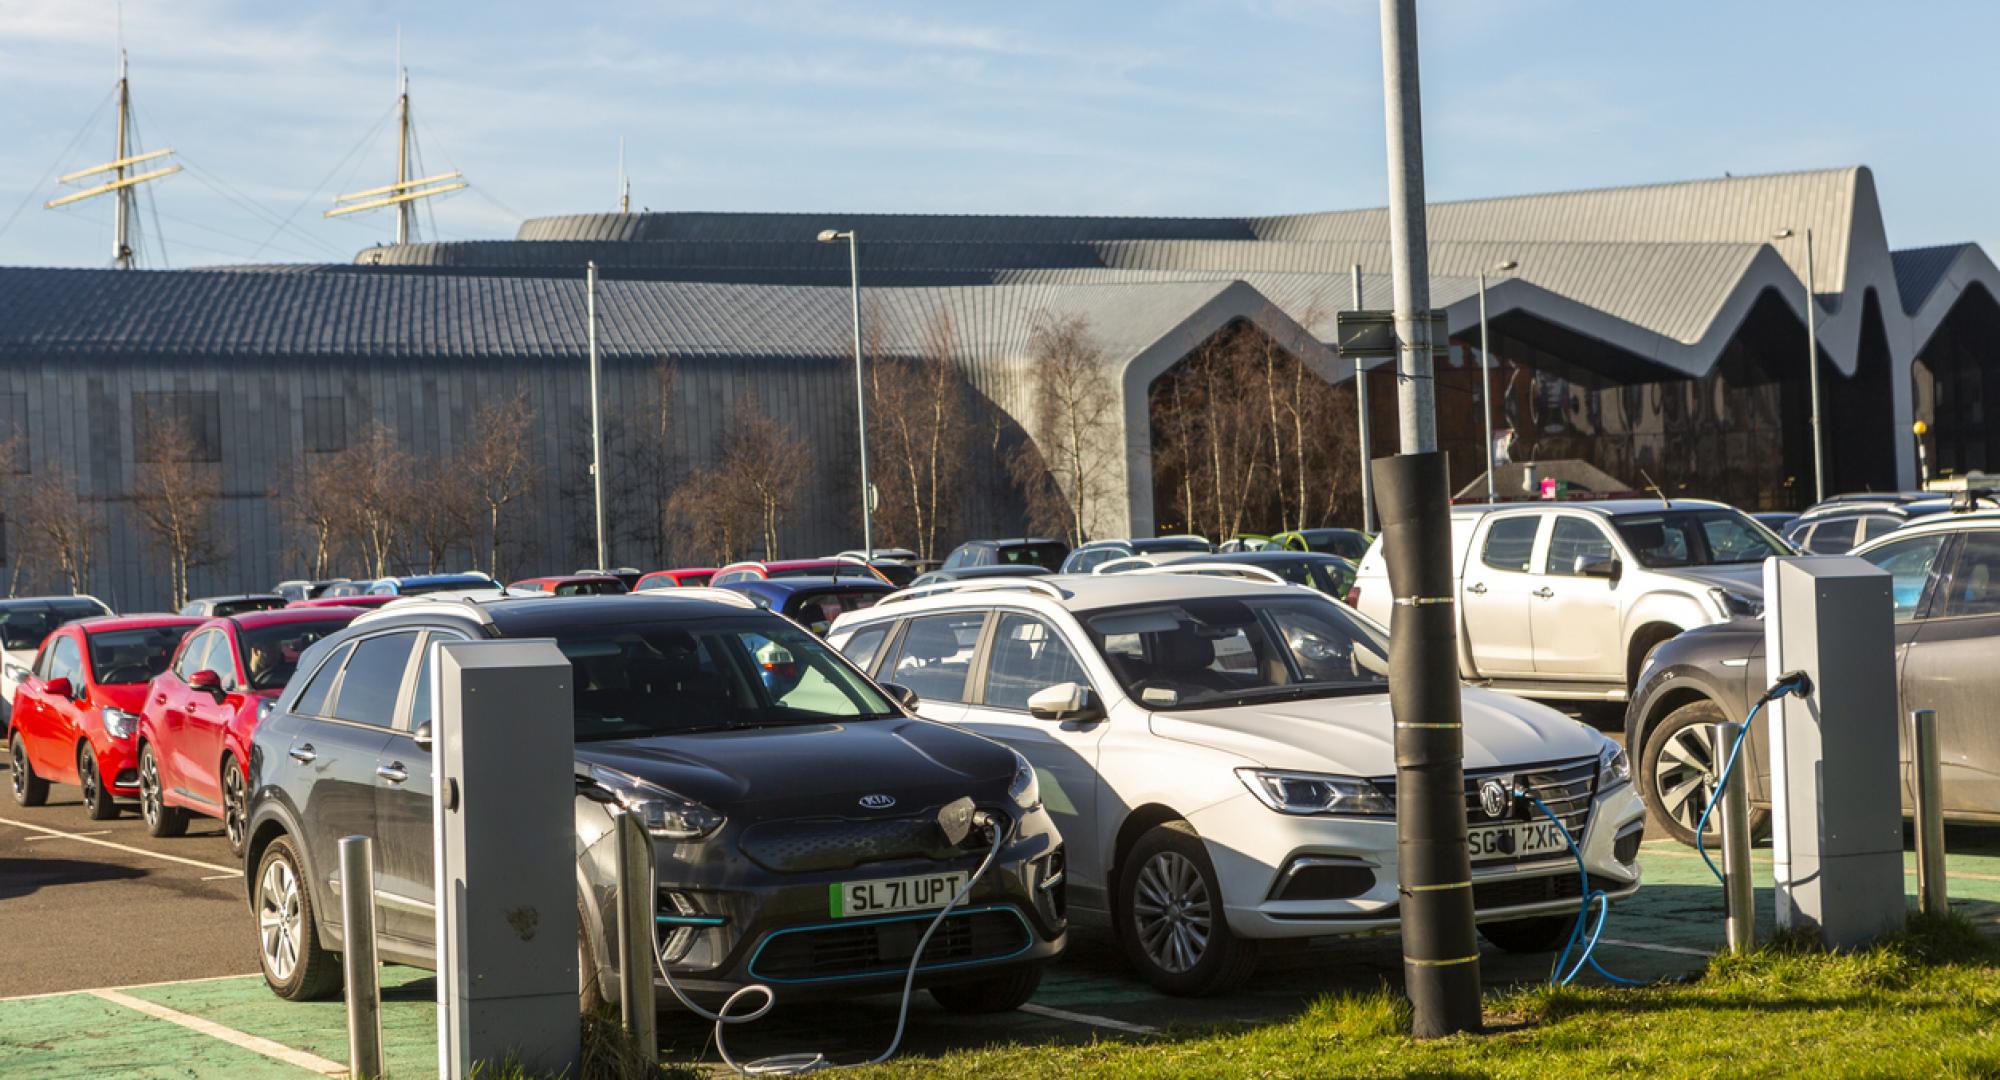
(1665,502)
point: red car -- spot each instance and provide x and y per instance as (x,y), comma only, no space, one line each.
(573,585)
(76,715)
(341,601)
(753,571)
(692,577)
(194,732)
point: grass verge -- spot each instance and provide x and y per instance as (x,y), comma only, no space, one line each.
(1923,1004)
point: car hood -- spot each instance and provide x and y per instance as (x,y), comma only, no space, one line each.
(1746,578)
(128,696)
(1355,736)
(815,769)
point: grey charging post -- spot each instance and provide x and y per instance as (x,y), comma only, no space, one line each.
(503,824)
(1836,810)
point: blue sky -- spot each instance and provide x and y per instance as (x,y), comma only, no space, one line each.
(1163,107)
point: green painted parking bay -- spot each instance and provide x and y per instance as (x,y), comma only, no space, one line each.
(234,1027)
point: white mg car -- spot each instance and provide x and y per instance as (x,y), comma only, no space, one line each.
(1219,756)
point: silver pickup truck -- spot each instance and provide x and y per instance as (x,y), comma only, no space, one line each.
(1566,599)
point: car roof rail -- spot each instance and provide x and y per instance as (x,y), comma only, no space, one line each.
(1247,571)
(710,593)
(462,607)
(1028,584)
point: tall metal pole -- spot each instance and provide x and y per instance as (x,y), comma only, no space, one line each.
(1812,361)
(1739,928)
(861,401)
(121,248)
(636,942)
(359,968)
(1931,896)
(1434,871)
(596,419)
(403,209)
(1361,410)
(1486,390)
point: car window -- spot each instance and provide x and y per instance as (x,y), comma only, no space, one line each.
(195,657)
(1872,527)
(420,697)
(26,627)
(861,646)
(122,657)
(1975,580)
(1028,656)
(272,652)
(372,678)
(1910,564)
(1831,538)
(312,700)
(817,609)
(67,662)
(1572,540)
(1510,543)
(935,655)
(1203,653)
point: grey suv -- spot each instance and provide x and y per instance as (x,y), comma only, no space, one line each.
(793,802)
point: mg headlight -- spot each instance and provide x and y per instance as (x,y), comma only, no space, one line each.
(665,814)
(1613,768)
(1317,793)
(1025,789)
(119,723)
(1736,605)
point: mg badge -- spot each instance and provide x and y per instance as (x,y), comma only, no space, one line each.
(1494,798)
(878,802)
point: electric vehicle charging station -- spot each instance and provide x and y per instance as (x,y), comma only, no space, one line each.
(1836,814)
(504,785)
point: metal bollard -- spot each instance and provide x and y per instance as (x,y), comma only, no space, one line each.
(636,935)
(1740,925)
(358,958)
(1931,897)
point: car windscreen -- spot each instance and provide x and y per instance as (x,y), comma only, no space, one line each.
(120,657)
(635,680)
(1048,556)
(25,626)
(1329,577)
(1670,538)
(820,607)
(271,653)
(226,608)
(1211,652)
(613,587)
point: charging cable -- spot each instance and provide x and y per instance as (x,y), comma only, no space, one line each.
(1795,683)
(795,1064)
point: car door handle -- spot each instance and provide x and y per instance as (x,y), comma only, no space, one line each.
(304,755)
(392,772)
(1544,592)
(1477,588)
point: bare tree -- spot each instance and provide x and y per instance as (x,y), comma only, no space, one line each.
(313,518)
(714,516)
(175,499)
(369,488)
(763,463)
(497,468)
(61,526)
(441,514)
(917,433)
(649,462)
(1078,426)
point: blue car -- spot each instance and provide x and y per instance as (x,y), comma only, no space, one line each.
(418,584)
(812,602)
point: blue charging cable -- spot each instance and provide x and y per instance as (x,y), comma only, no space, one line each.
(1582,943)
(1795,683)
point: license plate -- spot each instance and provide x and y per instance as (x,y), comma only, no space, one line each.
(926,892)
(1515,841)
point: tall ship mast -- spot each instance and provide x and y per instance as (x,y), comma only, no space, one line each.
(404,194)
(125,179)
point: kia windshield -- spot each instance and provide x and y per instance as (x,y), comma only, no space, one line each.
(1665,539)
(1220,651)
(709,674)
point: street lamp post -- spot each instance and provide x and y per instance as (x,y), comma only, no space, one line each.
(1486,376)
(1812,365)
(834,236)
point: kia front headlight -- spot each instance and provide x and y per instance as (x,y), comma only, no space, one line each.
(1317,793)
(665,814)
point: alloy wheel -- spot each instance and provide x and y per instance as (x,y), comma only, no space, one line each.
(150,802)
(232,804)
(86,769)
(1680,779)
(1172,912)
(279,922)
(17,767)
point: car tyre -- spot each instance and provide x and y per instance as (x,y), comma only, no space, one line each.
(1001,993)
(161,820)
(235,805)
(1545,934)
(97,800)
(29,789)
(1673,770)
(296,967)
(1170,919)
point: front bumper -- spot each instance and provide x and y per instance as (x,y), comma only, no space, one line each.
(1259,853)
(118,764)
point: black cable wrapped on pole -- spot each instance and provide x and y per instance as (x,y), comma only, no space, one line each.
(1440,944)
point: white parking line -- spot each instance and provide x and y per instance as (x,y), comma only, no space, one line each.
(254,1043)
(1087,1018)
(66,836)
(132,986)
(1677,950)
(88,838)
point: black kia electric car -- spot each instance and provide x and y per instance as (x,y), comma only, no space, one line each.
(794,805)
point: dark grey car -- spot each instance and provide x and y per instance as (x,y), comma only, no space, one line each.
(744,743)
(1946,587)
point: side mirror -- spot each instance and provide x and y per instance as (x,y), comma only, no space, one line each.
(422,736)
(206,681)
(59,687)
(901,695)
(1597,566)
(1068,701)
